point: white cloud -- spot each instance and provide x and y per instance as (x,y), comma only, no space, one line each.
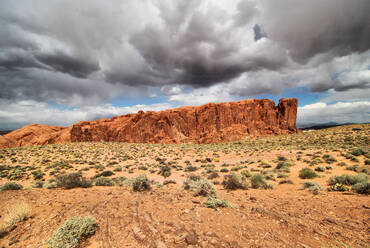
(16,114)
(340,112)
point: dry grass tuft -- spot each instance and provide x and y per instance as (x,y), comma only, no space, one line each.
(16,212)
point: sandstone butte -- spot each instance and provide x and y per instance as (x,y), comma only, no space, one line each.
(208,123)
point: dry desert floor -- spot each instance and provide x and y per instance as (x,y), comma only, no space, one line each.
(304,190)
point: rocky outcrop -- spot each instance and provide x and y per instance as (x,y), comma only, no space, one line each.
(209,123)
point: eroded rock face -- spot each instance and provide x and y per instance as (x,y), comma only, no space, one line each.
(205,124)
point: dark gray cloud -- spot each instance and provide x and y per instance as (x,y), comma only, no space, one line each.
(80,51)
(64,63)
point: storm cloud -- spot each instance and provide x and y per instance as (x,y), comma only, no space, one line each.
(87,52)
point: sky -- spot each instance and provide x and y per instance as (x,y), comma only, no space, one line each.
(66,61)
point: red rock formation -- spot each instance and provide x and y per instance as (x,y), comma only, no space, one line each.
(205,124)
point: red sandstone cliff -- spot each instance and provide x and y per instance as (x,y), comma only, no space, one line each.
(205,124)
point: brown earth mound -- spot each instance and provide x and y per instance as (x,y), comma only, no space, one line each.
(205,124)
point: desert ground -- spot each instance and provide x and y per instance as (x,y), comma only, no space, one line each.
(309,189)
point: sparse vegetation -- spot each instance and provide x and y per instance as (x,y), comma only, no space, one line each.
(16,211)
(307,173)
(73,232)
(200,186)
(11,186)
(213,202)
(235,181)
(72,180)
(141,183)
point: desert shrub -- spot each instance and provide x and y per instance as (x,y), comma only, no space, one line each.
(103,181)
(367,161)
(11,186)
(246,173)
(258,181)
(338,187)
(342,164)
(286,181)
(320,169)
(118,168)
(362,188)
(16,212)
(213,175)
(284,163)
(224,170)
(165,182)
(121,181)
(214,202)
(165,171)
(72,180)
(38,184)
(200,186)
(191,168)
(73,232)
(235,181)
(307,173)
(106,173)
(141,183)
(313,187)
(282,175)
(265,164)
(347,179)
(358,152)
(37,175)
(329,158)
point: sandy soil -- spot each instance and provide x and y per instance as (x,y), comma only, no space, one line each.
(169,216)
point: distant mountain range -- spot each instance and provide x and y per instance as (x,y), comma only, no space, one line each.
(2,132)
(313,126)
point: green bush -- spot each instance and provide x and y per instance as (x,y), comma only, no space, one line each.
(338,187)
(235,181)
(72,180)
(307,173)
(200,186)
(358,152)
(103,181)
(214,202)
(258,181)
(165,171)
(320,169)
(107,173)
(347,179)
(37,175)
(362,188)
(313,187)
(329,158)
(246,173)
(141,183)
(11,186)
(38,184)
(118,168)
(73,232)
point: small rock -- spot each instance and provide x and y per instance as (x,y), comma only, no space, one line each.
(179,238)
(191,239)
(138,233)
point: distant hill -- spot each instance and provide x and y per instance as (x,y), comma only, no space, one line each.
(325,125)
(3,132)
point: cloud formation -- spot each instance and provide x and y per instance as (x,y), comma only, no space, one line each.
(79,53)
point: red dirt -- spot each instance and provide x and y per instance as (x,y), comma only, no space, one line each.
(209,123)
(260,218)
